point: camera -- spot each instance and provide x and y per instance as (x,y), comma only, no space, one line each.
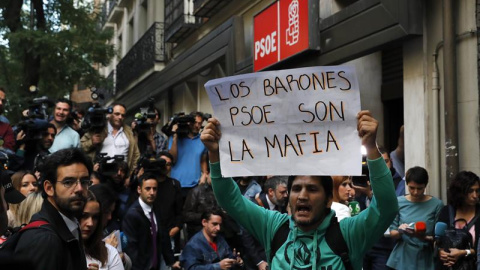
(141,118)
(108,169)
(150,165)
(36,122)
(38,108)
(39,162)
(95,120)
(183,121)
(33,128)
(206,116)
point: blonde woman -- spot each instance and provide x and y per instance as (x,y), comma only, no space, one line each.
(26,209)
(25,182)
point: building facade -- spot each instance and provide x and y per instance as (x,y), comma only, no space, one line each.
(417,62)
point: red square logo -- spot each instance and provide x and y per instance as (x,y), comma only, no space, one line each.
(265,38)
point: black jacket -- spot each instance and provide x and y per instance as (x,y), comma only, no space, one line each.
(263,197)
(51,246)
(136,226)
(170,202)
(199,200)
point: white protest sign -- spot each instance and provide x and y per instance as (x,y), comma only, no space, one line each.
(288,122)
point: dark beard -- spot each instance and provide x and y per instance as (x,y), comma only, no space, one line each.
(66,206)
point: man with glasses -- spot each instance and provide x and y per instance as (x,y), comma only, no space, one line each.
(57,244)
(116,139)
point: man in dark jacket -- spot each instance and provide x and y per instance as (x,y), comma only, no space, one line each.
(58,244)
(276,195)
(141,225)
(169,200)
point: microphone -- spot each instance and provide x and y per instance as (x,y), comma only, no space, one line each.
(420,227)
(440,228)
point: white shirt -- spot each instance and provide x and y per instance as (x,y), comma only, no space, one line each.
(72,225)
(271,206)
(341,210)
(114,262)
(146,210)
(115,145)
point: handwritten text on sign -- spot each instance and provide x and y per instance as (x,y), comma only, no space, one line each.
(288,122)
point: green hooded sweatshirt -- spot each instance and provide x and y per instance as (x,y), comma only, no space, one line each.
(308,250)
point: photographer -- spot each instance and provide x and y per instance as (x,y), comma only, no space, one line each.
(66,136)
(150,141)
(189,154)
(114,174)
(32,151)
(115,139)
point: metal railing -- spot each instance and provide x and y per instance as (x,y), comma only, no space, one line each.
(148,50)
(179,21)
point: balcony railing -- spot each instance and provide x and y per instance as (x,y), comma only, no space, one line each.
(179,20)
(148,50)
(107,9)
(208,8)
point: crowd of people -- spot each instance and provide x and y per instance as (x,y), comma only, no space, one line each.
(91,191)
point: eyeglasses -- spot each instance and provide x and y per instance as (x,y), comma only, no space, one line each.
(70,183)
(168,164)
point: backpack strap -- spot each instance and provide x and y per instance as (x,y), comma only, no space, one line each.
(472,222)
(34,224)
(333,237)
(8,247)
(451,214)
(279,239)
(336,242)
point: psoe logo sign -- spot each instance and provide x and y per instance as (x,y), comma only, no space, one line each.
(280,31)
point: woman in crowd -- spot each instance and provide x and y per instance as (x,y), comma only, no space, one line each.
(414,225)
(463,197)
(99,254)
(342,188)
(25,182)
(27,208)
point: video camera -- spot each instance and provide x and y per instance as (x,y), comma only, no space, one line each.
(206,116)
(39,162)
(150,165)
(141,118)
(37,119)
(183,121)
(95,120)
(108,169)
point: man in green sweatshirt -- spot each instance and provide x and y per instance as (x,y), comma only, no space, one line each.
(310,200)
